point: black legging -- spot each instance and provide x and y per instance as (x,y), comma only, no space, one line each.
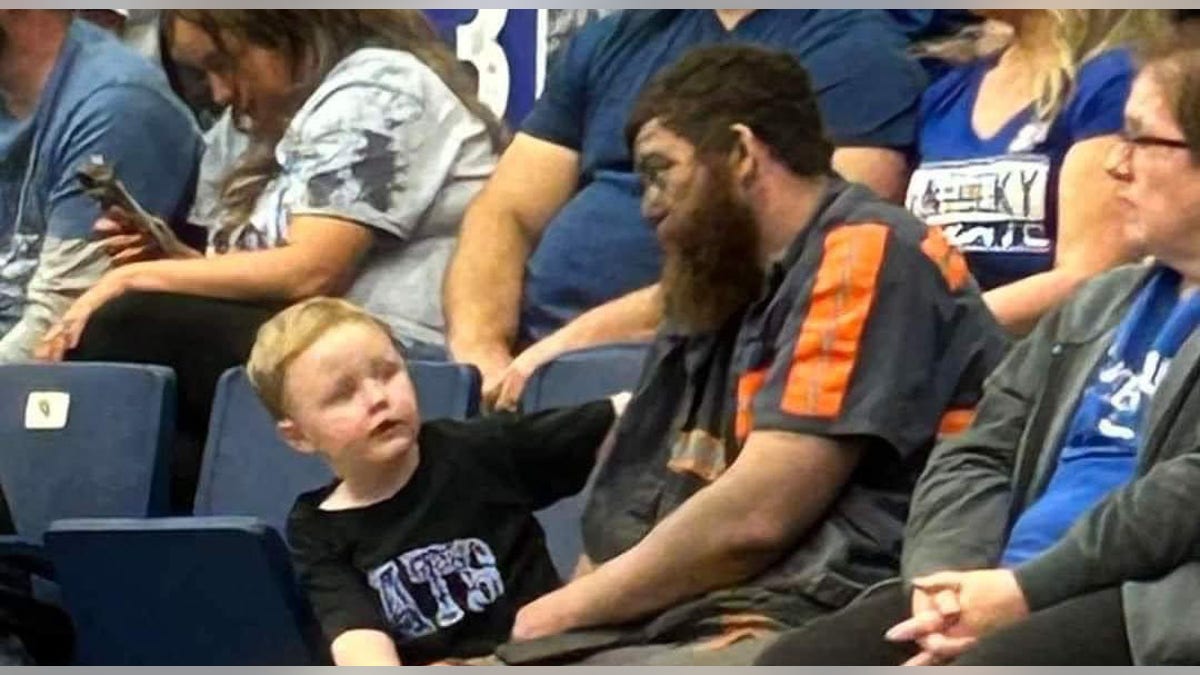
(199,338)
(1088,630)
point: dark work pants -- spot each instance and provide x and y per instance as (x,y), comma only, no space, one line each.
(1088,630)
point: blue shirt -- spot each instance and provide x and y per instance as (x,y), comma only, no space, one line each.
(101,98)
(598,246)
(1100,449)
(997,197)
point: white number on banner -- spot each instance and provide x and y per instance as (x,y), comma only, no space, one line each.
(478,43)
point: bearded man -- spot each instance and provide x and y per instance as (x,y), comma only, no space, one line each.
(817,340)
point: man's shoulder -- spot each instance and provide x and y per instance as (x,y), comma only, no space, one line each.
(107,78)
(103,61)
(857,212)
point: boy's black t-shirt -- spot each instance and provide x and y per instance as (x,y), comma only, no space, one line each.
(445,563)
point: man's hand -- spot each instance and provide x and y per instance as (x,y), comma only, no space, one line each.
(492,362)
(550,614)
(64,335)
(512,381)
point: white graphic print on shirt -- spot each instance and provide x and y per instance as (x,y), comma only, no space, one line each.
(454,574)
(1128,388)
(993,204)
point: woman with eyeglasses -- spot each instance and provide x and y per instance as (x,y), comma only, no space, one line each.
(1060,528)
(1011,149)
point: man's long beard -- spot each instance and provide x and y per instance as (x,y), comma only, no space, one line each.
(712,272)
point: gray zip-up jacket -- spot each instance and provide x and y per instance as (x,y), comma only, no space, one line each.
(1145,536)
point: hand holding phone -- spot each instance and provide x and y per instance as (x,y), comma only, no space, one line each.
(100,182)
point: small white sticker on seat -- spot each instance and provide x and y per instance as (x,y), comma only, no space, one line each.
(47,409)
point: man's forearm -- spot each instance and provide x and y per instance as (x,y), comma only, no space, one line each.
(725,534)
(633,316)
(482,294)
(697,549)
(65,270)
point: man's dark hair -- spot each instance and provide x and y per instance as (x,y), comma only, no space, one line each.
(710,89)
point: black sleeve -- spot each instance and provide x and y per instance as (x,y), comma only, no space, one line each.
(1140,532)
(553,451)
(338,592)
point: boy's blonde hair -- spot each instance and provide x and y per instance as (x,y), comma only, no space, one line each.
(282,339)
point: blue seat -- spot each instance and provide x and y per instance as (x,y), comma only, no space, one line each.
(584,375)
(182,592)
(575,378)
(249,471)
(218,588)
(84,439)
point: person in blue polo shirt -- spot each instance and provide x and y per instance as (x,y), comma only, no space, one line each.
(556,232)
(72,91)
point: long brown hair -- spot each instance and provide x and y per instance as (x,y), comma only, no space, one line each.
(322,38)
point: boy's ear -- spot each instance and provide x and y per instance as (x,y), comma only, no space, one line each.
(294,436)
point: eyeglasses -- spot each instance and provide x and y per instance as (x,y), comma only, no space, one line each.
(1130,139)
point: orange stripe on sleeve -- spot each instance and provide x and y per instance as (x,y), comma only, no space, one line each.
(749,384)
(955,422)
(828,345)
(946,256)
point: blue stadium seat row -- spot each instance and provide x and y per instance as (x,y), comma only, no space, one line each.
(216,588)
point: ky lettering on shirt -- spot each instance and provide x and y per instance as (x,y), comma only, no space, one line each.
(996,197)
(1101,447)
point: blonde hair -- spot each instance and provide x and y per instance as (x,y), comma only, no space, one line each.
(288,334)
(1075,37)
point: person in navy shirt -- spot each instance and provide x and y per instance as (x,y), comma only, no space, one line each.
(1010,150)
(556,231)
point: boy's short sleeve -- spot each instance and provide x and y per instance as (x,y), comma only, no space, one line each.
(553,451)
(338,592)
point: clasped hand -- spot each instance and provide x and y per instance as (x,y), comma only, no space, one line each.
(952,610)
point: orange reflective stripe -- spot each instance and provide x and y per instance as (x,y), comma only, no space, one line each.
(955,422)
(828,345)
(946,256)
(749,384)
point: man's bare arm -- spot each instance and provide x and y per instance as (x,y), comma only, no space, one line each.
(778,488)
(532,181)
(634,316)
(882,169)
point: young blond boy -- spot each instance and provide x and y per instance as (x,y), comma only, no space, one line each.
(425,545)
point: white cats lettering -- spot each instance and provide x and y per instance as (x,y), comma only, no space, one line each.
(456,578)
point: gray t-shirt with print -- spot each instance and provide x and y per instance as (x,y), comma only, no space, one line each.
(384,143)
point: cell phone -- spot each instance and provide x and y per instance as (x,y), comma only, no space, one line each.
(100,182)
